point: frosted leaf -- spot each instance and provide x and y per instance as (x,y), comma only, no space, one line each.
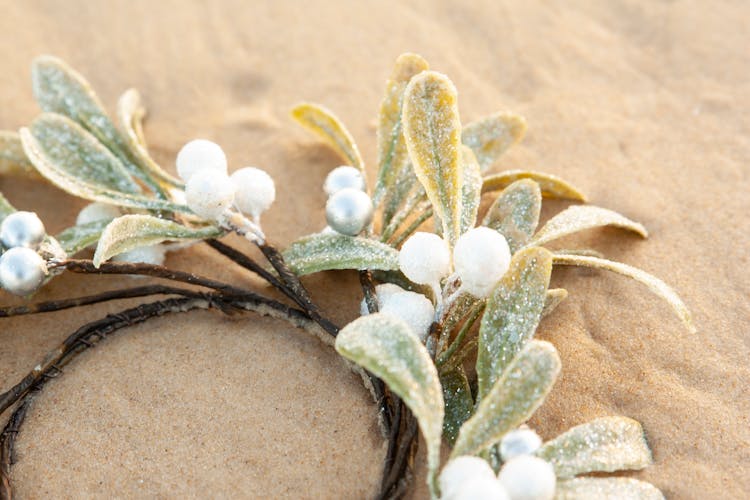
(459,404)
(512,399)
(595,488)
(323,123)
(581,217)
(471,193)
(76,238)
(605,444)
(323,252)
(552,300)
(515,213)
(653,283)
(552,186)
(491,136)
(5,207)
(512,315)
(432,130)
(384,346)
(13,160)
(133,231)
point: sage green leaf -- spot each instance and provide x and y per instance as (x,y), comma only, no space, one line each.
(76,238)
(13,160)
(605,444)
(323,252)
(491,136)
(512,314)
(552,300)
(323,123)
(393,158)
(552,186)
(432,130)
(385,346)
(458,402)
(653,283)
(581,217)
(596,488)
(5,207)
(471,192)
(513,398)
(515,213)
(132,231)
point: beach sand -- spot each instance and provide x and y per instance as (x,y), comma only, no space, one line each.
(643,105)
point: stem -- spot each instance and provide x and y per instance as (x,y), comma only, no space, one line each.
(445,356)
(243,260)
(7,442)
(411,228)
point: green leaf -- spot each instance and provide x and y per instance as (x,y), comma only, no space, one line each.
(653,283)
(596,488)
(553,299)
(581,217)
(13,160)
(323,252)
(471,193)
(605,444)
(552,187)
(5,207)
(432,130)
(458,402)
(76,238)
(491,136)
(512,314)
(385,346)
(133,231)
(515,213)
(513,398)
(323,123)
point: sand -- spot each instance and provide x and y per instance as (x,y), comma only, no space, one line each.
(642,104)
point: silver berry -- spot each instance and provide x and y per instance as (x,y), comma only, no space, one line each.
(22,270)
(22,229)
(349,211)
(343,177)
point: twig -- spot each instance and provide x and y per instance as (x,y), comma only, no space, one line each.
(7,442)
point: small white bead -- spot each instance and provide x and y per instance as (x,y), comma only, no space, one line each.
(481,257)
(480,488)
(425,258)
(456,472)
(254,190)
(527,477)
(349,211)
(152,254)
(94,212)
(199,155)
(22,270)
(343,177)
(519,442)
(383,291)
(22,229)
(413,308)
(209,194)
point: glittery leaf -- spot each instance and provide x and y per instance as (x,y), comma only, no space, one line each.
(581,217)
(515,213)
(458,402)
(472,190)
(513,398)
(596,488)
(5,207)
(605,444)
(133,231)
(654,284)
(323,123)
(323,252)
(432,130)
(512,315)
(491,136)
(552,300)
(76,238)
(384,346)
(552,187)
(393,158)
(13,160)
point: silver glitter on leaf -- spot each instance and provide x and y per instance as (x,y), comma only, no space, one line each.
(76,238)
(553,299)
(582,217)
(323,252)
(491,136)
(597,488)
(13,160)
(552,186)
(459,404)
(515,213)
(472,190)
(513,398)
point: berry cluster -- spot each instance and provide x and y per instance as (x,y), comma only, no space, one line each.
(349,209)
(22,269)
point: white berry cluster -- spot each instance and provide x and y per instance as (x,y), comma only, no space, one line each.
(413,308)
(349,209)
(210,192)
(22,269)
(523,476)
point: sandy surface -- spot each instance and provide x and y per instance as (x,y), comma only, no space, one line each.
(642,104)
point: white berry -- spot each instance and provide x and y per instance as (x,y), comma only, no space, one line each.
(95,212)
(519,442)
(481,257)
(22,270)
(480,488)
(344,177)
(458,471)
(209,194)
(527,477)
(349,211)
(383,292)
(151,254)
(254,190)
(413,308)
(199,155)
(425,258)
(22,229)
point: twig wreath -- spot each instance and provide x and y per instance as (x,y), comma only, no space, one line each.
(445,339)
